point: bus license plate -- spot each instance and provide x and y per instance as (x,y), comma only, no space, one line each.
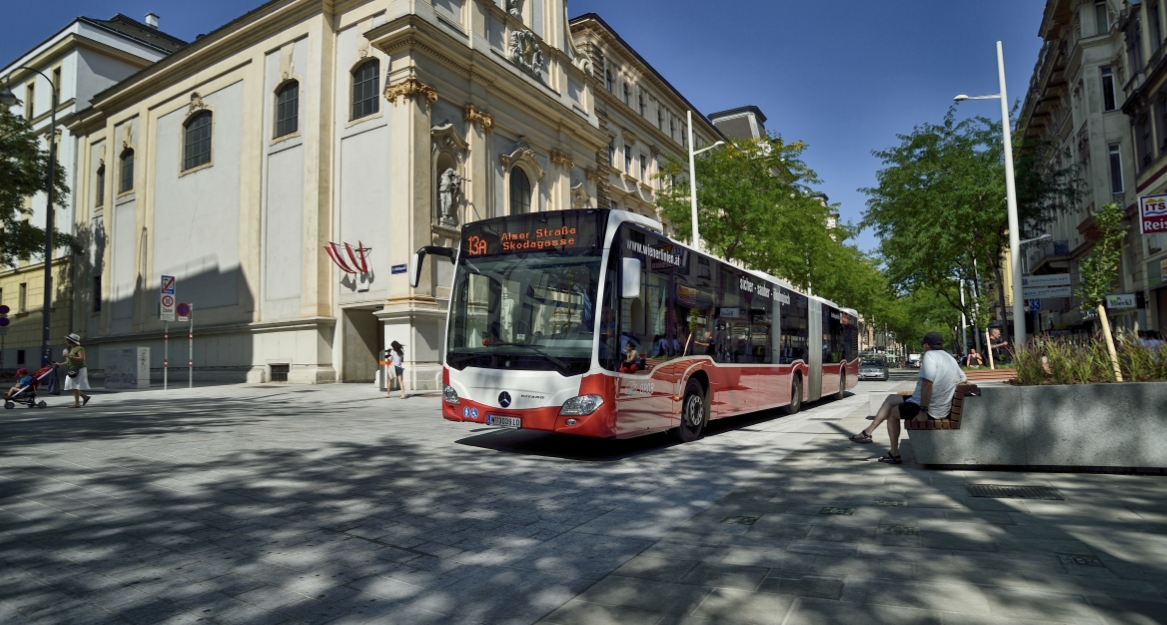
(506,422)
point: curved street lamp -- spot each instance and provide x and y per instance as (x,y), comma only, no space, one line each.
(693,181)
(1011,193)
(7,98)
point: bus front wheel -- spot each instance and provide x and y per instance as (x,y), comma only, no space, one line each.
(692,413)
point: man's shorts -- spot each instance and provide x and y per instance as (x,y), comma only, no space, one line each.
(909,410)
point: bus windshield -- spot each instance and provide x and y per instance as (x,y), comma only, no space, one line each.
(533,311)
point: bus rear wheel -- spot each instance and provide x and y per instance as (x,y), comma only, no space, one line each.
(795,396)
(692,413)
(842,385)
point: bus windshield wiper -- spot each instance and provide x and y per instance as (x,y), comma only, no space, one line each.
(557,362)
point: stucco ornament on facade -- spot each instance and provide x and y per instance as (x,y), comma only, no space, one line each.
(515,8)
(409,88)
(526,53)
(580,197)
(525,155)
(475,115)
(196,103)
(563,159)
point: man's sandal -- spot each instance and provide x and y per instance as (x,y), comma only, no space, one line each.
(862,438)
(890,459)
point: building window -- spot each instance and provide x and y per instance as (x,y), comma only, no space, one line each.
(287,109)
(126,169)
(660,119)
(22,298)
(96,293)
(1134,47)
(672,128)
(1101,22)
(1153,28)
(196,147)
(366,85)
(20,357)
(520,192)
(99,187)
(1143,141)
(641,106)
(1108,100)
(643,168)
(1115,170)
(612,153)
(30,99)
(627,160)
(608,81)
(627,95)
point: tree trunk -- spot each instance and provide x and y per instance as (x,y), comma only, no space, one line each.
(1109,343)
(1004,309)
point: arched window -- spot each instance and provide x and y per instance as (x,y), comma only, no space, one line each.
(196,145)
(520,192)
(287,109)
(627,96)
(99,187)
(610,83)
(126,166)
(366,85)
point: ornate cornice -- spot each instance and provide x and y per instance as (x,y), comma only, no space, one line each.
(408,88)
(446,136)
(475,115)
(562,159)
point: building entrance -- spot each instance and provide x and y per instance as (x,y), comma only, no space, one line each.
(363,336)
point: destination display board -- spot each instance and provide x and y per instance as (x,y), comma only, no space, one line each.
(554,231)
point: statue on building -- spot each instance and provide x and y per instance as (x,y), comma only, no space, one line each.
(449,186)
(514,9)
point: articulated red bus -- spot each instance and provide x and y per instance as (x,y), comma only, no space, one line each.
(591,322)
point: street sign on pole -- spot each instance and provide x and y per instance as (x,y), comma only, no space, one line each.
(183,311)
(166,311)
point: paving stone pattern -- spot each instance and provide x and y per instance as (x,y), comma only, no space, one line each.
(333,505)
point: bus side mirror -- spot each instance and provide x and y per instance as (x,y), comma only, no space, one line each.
(630,278)
(419,260)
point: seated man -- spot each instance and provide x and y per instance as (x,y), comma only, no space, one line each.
(23,379)
(935,388)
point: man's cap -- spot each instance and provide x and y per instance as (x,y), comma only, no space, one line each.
(933,339)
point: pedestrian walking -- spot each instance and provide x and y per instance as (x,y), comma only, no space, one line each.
(77,380)
(935,388)
(397,369)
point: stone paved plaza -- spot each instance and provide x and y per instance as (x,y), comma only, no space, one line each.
(331,504)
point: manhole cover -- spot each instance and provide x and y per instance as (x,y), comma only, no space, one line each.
(888,503)
(899,530)
(1075,560)
(834,510)
(1013,492)
(740,520)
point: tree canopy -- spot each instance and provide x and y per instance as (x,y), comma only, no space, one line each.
(24,168)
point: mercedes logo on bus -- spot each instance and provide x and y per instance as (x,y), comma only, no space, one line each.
(504,399)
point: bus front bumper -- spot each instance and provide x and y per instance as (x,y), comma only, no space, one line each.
(599,424)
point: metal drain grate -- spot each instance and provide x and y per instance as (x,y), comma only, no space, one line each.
(1076,560)
(740,520)
(891,503)
(899,530)
(994,491)
(835,510)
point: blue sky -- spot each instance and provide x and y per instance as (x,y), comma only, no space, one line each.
(843,76)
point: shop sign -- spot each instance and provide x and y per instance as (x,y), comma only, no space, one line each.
(1153,214)
(1118,302)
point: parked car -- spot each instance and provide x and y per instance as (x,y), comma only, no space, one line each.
(873,369)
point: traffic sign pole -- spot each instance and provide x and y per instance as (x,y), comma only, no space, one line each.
(165,353)
(190,359)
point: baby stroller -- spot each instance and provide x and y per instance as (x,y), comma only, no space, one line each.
(26,395)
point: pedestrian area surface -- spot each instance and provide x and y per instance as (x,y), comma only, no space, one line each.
(332,505)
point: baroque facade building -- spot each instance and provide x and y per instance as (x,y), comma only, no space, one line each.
(1073,115)
(293,160)
(85,57)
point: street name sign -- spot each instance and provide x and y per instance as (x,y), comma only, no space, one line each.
(1153,214)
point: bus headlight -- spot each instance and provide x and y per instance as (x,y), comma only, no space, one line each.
(450,395)
(581,405)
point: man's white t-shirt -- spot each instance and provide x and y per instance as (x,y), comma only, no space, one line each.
(944,372)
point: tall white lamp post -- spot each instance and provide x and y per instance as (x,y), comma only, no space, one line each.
(693,181)
(1011,194)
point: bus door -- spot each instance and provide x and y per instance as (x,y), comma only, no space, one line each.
(814,387)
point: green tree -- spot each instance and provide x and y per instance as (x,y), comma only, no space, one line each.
(1098,270)
(940,207)
(24,168)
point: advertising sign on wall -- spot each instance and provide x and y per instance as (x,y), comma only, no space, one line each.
(1153,214)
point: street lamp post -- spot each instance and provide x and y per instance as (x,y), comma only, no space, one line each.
(7,98)
(693,181)
(1011,195)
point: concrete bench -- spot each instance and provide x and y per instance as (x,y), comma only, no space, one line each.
(952,422)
